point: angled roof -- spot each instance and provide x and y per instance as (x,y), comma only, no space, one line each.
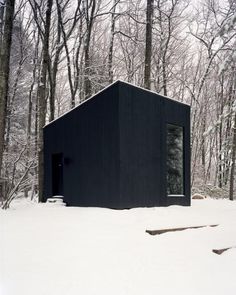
(107,87)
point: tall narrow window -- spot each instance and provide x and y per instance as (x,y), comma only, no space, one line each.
(175,179)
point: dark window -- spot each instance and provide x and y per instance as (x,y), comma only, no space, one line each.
(174,160)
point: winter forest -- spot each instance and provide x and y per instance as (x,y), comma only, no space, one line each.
(54,54)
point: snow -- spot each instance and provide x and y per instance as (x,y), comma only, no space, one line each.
(48,249)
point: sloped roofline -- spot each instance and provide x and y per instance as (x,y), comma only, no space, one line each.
(104,89)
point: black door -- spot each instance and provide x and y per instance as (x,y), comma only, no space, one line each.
(57,174)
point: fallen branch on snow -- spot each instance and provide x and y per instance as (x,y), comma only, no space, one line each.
(220,251)
(163,231)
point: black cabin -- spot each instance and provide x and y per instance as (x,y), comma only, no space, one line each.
(124,147)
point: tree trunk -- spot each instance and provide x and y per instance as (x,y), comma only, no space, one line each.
(148,48)
(11,98)
(77,61)
(36,132)
(60,21)
(4,69)
(232,171)
(220,168)
(29,115)
(2,5)
(54,71)
(111,45)
(87,71)
(42,106)
(203,147)
(87,82)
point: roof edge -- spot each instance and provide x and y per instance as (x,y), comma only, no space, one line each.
(83,102)
(107,87)
(151,91)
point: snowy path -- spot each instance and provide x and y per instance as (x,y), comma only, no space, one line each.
(47,249)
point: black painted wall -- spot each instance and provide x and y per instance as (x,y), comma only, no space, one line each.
(114,149)
(88,137)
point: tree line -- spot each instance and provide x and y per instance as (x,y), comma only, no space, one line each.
(54,54)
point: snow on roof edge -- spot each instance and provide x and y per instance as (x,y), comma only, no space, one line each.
(83,102)
(105,88)
(162,95)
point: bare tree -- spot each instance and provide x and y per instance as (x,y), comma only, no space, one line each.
(65,50)
(89,11)
(5,50)
(208,28)
(232,172)
(42,96)
(16,186)
(2,6)
(111,45)
(65,36)
(148,48)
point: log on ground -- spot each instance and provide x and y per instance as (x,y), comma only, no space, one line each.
(166,230)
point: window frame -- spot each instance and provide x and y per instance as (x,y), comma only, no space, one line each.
(183,159)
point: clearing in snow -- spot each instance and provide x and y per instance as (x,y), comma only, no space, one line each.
(48,249)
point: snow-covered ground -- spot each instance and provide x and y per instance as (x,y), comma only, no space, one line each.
(47,249)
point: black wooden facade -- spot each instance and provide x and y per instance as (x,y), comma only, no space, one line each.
(111,151)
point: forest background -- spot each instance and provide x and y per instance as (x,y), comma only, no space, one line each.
(54,54)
